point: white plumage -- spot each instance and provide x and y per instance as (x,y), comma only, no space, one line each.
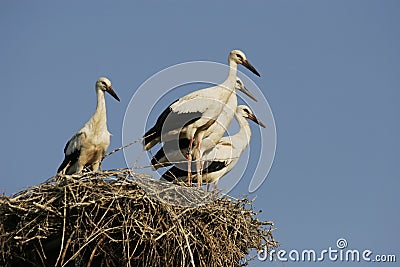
(192,114)
(89,145)
(224,156)
(175,152)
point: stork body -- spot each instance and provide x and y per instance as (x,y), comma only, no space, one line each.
(194,113)
(224,156)
(174,152)
(89,145)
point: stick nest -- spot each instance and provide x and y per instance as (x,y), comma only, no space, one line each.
(117,218)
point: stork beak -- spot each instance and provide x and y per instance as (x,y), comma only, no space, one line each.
(248,65)
(244,90)
(111,91)
(254,118)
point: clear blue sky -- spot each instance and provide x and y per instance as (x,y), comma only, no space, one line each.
(330,71)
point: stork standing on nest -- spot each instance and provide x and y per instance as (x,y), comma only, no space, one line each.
(194,113)
(175,152)
(89,145)
(224,156)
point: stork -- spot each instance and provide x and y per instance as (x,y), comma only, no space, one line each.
(89,145)
(174,152)
(224,156)
(192,114)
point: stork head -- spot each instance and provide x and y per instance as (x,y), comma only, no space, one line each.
(239,57)
(246,112)
(240,86)
(104,85)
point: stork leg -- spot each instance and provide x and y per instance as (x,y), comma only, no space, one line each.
(189,158)
(199,167)
(215,185)
(95,166)
(77,167)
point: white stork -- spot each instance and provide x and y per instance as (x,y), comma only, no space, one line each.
(89,145)
(176,151)
(224,156)
(192,114)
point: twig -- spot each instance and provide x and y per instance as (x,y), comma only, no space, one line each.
(64,224)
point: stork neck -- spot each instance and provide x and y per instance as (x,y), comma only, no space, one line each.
(242,138)
(99,115)
(231,80)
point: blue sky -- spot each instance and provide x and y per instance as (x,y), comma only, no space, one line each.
(330,71)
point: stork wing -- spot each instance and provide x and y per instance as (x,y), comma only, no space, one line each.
(199,104)
(214,166)
(74,143)
(219,157)
(175,173)
(223,150)
(170,150)
(169,120)
(72,150)
(154,132)
(183,112)
(205,92)
(178,120)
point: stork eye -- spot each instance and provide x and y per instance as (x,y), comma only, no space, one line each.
(239,56)
(104,83)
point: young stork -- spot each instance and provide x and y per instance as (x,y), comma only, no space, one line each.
(192,114)
(224,156)
(175,152)
(89,145)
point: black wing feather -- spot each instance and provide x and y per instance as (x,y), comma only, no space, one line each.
(214,166)
(169,120)
(176,172)
(71,158)
(155,131)
(168,147)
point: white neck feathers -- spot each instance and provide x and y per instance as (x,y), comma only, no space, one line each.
(242,139)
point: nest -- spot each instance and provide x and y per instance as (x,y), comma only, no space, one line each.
(117,218)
